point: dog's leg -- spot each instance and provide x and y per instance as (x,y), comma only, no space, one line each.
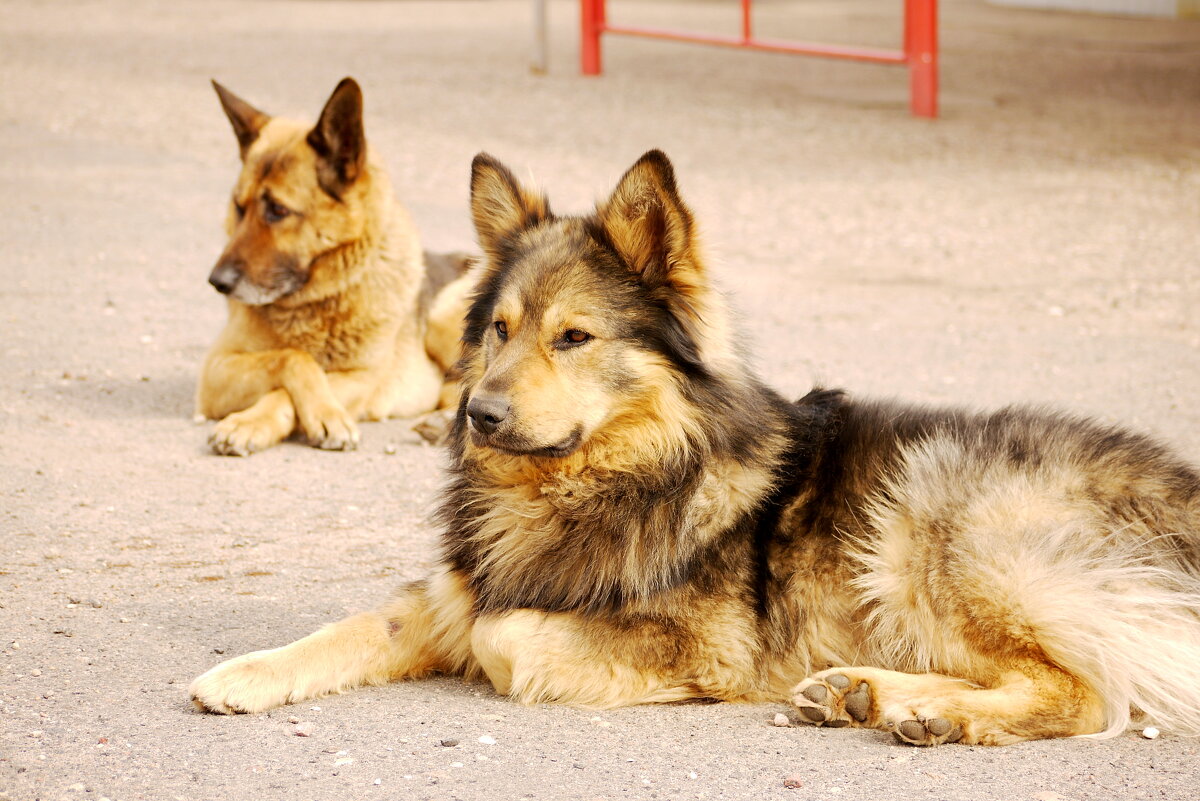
(537,657)
(426,627)
(1033,701)
(232,379)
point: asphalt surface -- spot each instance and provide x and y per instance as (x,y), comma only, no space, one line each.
(1039,243)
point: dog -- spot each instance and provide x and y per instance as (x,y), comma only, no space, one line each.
(335,313)
(632,516)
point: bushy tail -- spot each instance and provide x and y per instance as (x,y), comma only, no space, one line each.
(1127,623)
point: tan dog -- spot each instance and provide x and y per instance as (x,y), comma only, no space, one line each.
(632,516)
(329,292)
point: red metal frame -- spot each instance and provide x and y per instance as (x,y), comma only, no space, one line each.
(919,53)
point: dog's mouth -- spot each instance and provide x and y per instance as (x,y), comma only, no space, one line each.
(557,451)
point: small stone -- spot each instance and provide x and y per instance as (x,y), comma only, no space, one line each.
(487,739)
(377,781)
(123,620)
(693,774)
(293,719)
(35,673)
(35,733)
(76,788)
(793,782)
(303,730)
(456,764)
(337,763)
(781,720)
(389,449)
(1150,732)
(48,694)
(315,708)
(448,743)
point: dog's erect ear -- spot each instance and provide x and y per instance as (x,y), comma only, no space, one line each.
(500,206)
(338,139)
(650,227)
(246,120)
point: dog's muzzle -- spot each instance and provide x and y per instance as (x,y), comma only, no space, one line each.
(225,276)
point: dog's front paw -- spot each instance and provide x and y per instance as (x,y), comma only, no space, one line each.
(249,683)
(244,433)
(331,429)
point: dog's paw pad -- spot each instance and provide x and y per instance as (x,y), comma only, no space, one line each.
(814,714)
(928,732)
(939,727)
(857,702)
(816,693)
(838,681)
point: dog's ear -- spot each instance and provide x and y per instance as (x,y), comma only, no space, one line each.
(246,120)
(500,206)
(338,139)
(651,229)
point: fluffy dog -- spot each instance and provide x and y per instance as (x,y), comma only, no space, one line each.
(330,297)
(633,517)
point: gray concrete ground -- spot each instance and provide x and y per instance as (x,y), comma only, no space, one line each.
(1038,243)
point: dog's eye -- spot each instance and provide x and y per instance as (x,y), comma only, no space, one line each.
(573,336)
(273,211)
(501,330)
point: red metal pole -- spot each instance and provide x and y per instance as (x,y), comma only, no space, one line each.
(920,50)
(591,20)
(747,35)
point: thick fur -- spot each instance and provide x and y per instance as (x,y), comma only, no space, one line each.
(335,315)
(632,516)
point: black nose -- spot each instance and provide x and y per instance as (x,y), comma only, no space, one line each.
(487,413)
(225,276)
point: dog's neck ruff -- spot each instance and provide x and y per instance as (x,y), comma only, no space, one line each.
(588,539)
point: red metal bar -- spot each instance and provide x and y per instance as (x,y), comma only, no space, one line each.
(770,45)
(919,53)
(920,47)
(591,20)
